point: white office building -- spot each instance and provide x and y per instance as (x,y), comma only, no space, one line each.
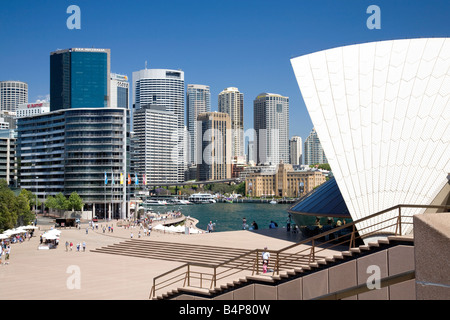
(314,153)
(295,150)
(156,148)
(163,88)
(231,101)
(198,100)
(12,93)
(271,124)
(119,91)
(32,109)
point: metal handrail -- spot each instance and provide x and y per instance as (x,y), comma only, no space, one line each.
(313,249)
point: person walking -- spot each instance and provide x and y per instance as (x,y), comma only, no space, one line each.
(210,227)
(1,254)
(8,252)
(266,259)
(67,246)
(84,246)
(71,245)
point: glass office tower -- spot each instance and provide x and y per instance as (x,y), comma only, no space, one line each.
(79,78)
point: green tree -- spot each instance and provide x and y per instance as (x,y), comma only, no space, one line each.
(24,214)
(240,188)
(75,202)
(50,202)
(32,198)
(14,209)
(61,202)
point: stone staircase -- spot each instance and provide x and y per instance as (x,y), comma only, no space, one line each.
(189,253)
(285,276)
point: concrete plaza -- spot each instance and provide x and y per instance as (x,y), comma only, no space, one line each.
(34,274)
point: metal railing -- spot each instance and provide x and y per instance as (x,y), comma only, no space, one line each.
(298,255)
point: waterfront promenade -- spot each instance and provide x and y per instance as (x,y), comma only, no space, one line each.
(34,274)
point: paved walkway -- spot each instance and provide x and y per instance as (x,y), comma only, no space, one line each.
(57,274)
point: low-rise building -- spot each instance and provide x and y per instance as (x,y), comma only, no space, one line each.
(284,182)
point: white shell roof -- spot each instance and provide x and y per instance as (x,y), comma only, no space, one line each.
(382,114)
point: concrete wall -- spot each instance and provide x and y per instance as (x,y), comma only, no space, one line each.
(432,256)
(349,274)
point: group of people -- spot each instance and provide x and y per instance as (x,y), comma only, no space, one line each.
(79,246)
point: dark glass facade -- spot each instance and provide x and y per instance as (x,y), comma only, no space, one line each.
(79,79)
(122,97)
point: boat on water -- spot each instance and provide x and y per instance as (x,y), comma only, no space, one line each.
(202,198)
(180,202)
(273,202)
(153,202)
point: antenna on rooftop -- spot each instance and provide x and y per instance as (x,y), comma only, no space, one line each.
(145,64)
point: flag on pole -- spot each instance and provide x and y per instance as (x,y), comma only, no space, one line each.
(129,179)
(106,178)
(121,178)
(136,180)
(144,179)
(112,175)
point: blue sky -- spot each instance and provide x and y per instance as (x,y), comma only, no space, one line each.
(246,44)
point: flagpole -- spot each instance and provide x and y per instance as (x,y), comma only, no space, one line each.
(104,213)
(112,186)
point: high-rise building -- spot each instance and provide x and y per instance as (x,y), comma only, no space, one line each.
(7,120)
(163,87)
(271,124)
(79,78)
(198,100)
(314,153)
(295,149)
(215,146)
(251,152)
(156,151)
(71,150)
(231,101)
(12,93)
(119,91)
(8,163)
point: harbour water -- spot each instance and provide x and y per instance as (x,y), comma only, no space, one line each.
(228,216)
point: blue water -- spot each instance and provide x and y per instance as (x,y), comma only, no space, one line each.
(228,216)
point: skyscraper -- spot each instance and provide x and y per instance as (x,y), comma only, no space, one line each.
(156,150)
(231,101)
(198,100)
(295,150)
(79,78)
(313,149)
(271,124)
(163,87)
(12,93)
(215,146)
(119,91)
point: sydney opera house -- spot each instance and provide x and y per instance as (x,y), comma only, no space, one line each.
(382,114)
